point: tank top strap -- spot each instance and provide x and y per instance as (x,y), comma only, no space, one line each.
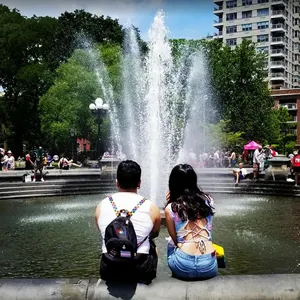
(125,211)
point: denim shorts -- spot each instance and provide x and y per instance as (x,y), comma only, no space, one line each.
(186,266)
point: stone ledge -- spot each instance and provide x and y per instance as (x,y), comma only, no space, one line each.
(267,287)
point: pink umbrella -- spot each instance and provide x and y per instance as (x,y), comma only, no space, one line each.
(252,146)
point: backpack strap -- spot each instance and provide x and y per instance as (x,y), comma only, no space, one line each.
(121,211)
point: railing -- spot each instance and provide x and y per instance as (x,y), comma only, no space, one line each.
(218,8)
(277,51)
(277,39)
(276,26)
(218,21)
(283,1)
(219,33)
(290,106)
(277,75)
(277,12)
(277,63)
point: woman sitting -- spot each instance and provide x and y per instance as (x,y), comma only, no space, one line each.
(189,222)
(66,164)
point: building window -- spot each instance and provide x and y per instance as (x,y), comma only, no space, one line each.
(231,17)
(246,27)
(262,12)
(247,2)
(231,42)
(263,38)
(247,14)
(263,50)
(262,1)
(230,29)
(262,25)
(230,4)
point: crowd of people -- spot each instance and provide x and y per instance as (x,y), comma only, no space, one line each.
(38,160)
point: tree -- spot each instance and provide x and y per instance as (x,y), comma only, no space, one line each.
(220,137)
(42,44)
(66,103)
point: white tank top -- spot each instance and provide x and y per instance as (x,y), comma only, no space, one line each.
(141,220)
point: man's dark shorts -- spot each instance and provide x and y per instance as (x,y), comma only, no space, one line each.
(141,269)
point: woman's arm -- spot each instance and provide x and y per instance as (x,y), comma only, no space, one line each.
(170,226)
(156,219)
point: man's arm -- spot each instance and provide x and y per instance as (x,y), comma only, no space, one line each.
(97,215)
(156,219)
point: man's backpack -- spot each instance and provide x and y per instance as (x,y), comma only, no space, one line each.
(120,237)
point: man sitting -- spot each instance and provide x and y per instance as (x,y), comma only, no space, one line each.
(144,215)
(239,173)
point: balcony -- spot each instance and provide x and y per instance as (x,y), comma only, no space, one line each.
(277,86)
(277,41)
(294,119)
(218,23)
(278,14)
(218,10)
(283,2)
(277,27)
(280,64)
(277,53)
(290,106)
(218,35)
(277,76)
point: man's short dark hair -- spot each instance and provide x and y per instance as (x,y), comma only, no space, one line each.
(129,174)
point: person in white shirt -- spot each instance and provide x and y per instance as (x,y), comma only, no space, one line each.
(256,162)
(239,173)
(145,217)
(8,161)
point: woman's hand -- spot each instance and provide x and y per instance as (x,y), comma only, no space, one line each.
(168,196)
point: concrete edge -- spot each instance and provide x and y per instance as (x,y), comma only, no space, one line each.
(267,287)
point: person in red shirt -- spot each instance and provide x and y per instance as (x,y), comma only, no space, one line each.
(296,166)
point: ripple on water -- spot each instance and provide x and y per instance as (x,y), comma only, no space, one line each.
(75,205)
(50,218)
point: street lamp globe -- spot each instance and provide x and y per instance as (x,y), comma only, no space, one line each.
(105,106)
(92,106)
(99,103)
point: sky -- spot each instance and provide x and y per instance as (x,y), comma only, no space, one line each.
(190,19)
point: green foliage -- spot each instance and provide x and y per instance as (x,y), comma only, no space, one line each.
(239,90)
(31,49)
(220,137)
(66,104)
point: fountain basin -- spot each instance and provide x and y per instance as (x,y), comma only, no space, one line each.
(285,286)
(278,169)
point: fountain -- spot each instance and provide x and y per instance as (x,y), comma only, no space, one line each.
(161,112)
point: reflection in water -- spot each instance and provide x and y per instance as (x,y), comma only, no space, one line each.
(56,237)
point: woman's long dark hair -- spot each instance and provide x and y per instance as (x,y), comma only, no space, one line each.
(186,198)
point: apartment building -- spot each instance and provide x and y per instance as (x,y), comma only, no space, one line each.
(273,25)
(290,99)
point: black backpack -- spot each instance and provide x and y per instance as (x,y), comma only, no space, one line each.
(120,237)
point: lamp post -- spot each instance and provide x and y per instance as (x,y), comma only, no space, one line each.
(72,134)
(99,108)
(284,131)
